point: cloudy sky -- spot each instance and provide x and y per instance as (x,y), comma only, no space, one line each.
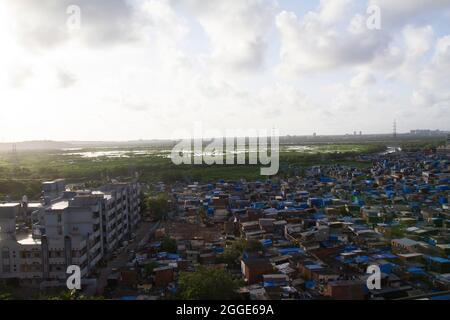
(141,69)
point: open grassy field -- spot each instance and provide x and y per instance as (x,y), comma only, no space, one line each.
(22,173)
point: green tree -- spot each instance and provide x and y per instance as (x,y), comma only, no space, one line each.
(158,207)
(143,203)
(5,296)
(398,231)
(247,245)
(207,284)
(70,295)
(229,256)
(148,268)
(169,245)
(202,212)
(234,252)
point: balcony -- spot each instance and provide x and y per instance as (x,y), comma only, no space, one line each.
(31,260)
(95,247)
(111,212)
(81,259)
(96,234)
(57,260)
(111,222)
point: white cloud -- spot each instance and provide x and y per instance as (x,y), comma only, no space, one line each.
(363,79)
(332,11)
(434,78)
(399,12)
(406,59)
(313,44)
(418,40)
(43,24)
(149,67)
(66,79)
(237,30)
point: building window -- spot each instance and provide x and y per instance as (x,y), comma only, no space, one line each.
(5,253)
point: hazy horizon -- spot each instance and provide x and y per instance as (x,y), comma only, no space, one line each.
(318,135)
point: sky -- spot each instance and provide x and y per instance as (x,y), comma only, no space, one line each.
(144,69)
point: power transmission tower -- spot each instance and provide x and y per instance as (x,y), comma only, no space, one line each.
(14,156)
(395,129)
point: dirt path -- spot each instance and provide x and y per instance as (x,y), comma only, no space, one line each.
(144,230)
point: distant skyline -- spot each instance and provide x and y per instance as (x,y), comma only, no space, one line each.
(432,133)
(143,69)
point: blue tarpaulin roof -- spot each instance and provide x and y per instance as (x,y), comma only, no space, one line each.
(350,248)
(414,205)
(173,289)
(388,256)
(274,283)
(386,267)
(269,284)
(390,193)
(439,259)
(258,205)
(361,259)
(316,201)
(416,270)
(407,189)
(444,297)
(318,216)
(173,256)
(286,251)
(310,284)
(301,206)
(218,249)
(314,267)
(266,242)
(162,254)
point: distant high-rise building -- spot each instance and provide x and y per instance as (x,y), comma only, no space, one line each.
(426,132)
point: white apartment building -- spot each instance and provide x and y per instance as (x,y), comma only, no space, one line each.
(75,228)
